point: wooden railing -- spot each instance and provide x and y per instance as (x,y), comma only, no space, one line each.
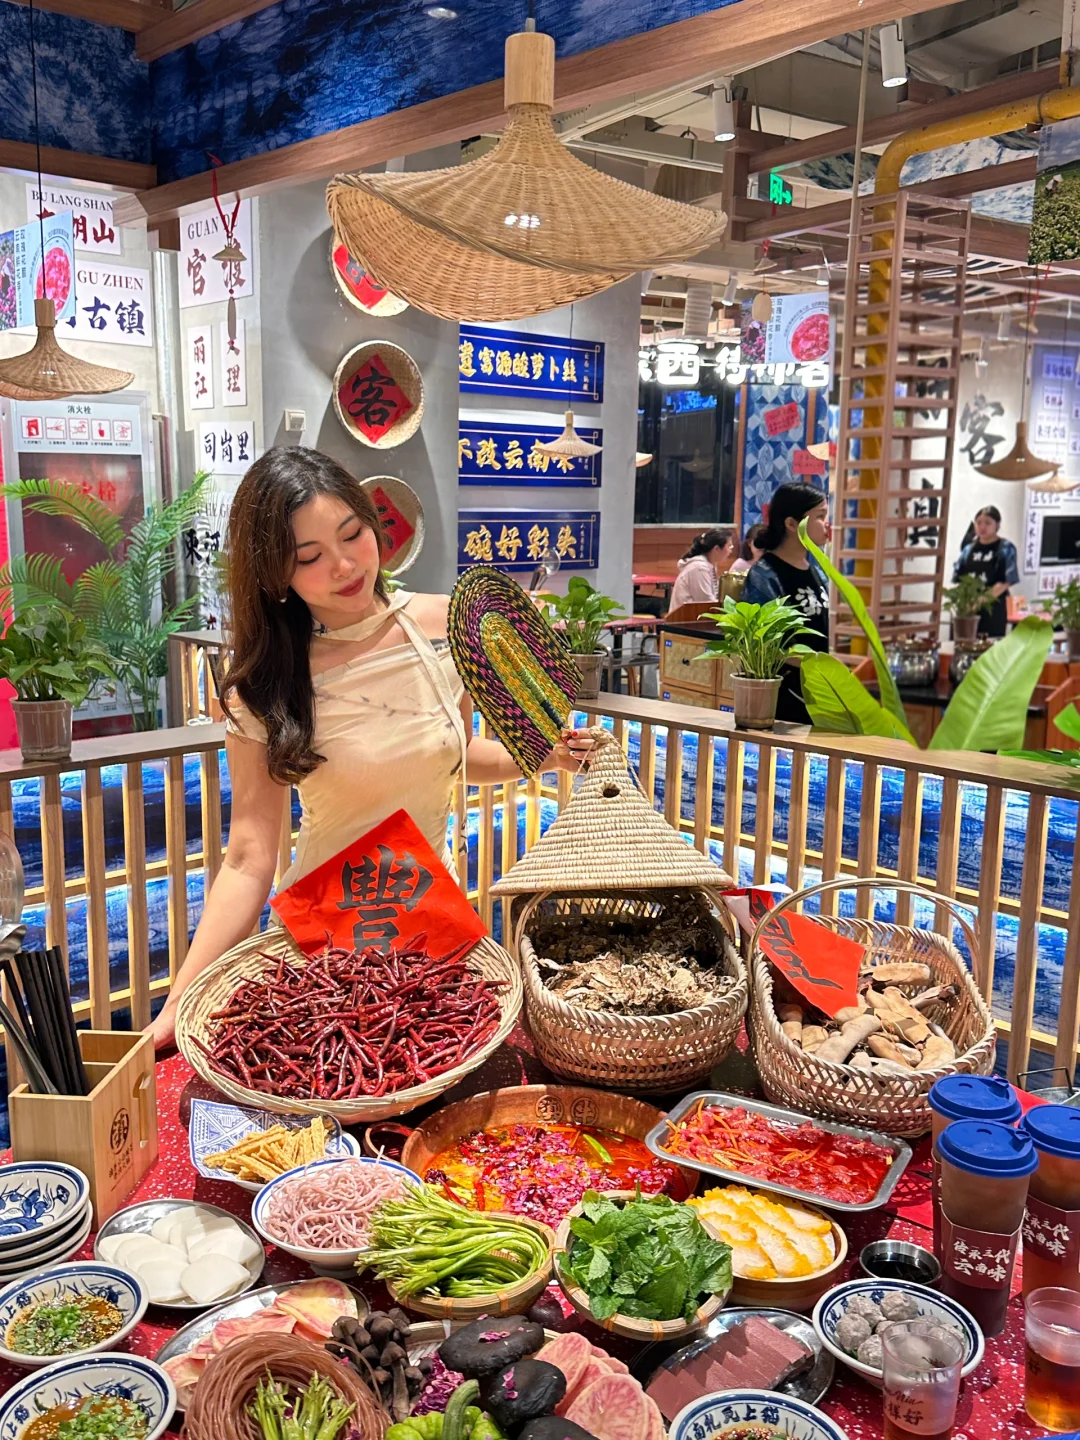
(786,806)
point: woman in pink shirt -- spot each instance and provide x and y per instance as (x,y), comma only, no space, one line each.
(700,568)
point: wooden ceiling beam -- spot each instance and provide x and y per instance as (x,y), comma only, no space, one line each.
(186,26)
(122,14)
(75,165)
(732,39)
(888,127)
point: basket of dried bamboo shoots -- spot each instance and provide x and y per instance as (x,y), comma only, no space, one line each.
(918,1016)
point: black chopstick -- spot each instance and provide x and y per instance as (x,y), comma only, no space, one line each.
(56,972)
(41,1012)
(8,972)
(40,1083)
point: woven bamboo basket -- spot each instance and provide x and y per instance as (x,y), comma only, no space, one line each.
(891,1104)
(252,957)
(655,1054)
(405,373)
(629,1326)
(513,1300)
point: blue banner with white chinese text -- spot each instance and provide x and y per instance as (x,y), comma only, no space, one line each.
(501,454)
(536,367)
(517,539)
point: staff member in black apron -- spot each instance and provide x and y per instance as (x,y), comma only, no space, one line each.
(993,558)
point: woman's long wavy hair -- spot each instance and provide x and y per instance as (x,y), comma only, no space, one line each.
(271,627)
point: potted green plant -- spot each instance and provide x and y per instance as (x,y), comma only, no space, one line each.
(760,640)
(966,600)
(54,665)
(1065,613)
(581,616)
(120,597)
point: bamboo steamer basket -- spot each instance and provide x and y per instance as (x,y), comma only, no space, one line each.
(514,1300)
(629,1326)
(251,958)
(893,1104)
(655,1054)
(537,1105)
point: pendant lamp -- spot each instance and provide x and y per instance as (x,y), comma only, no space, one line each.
(761,309)
(47,371)
(523,229)
(642,457)
(569,443)
(1056,484)
(1020,463)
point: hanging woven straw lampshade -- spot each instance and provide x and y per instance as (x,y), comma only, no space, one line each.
(569,442)
(523,229)
(1056,484)
(46,372)
(1020,463)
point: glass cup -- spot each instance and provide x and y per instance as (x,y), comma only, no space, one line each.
(921,1364)
(1052,1358)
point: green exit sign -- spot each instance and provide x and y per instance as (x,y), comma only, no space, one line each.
(780,192)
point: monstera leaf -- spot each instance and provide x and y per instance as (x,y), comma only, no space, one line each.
(989,709)
(839,703)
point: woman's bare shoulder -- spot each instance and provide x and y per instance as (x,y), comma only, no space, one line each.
(429,612)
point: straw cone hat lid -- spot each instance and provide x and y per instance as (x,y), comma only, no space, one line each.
(47,372)
(1056,484)
(1020,463)
(523,229)
(569,442)
(608,835)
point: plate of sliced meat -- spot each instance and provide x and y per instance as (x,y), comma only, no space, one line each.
(740,1349)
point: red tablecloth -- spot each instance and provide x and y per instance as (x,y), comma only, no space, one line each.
(991,1403)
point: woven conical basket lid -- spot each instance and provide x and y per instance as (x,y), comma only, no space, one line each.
(523,229)
(46,372)
(609,836)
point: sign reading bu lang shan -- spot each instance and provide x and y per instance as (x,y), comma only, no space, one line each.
(538,367)
(501,454)
(517,539)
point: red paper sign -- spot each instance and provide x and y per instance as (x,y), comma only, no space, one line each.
(385,890)
(980,1258)
(356,277)
(781,418)
(372,398)
(1052,1233)
(396,529)
(823,966)
(803,463)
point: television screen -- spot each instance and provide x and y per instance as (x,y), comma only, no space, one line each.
(1060,540)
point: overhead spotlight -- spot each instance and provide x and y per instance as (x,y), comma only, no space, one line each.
(1003,325)
(723,109)
(893,58)
(730,289)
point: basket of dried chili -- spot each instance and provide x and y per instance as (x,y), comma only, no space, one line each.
(359,1035)
(917,1016)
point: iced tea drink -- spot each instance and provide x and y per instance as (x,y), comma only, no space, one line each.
(921,1365)
(1052,1358)
(1052,1222)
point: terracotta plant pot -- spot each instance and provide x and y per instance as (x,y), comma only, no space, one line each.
(589,665)
(965,628)
(1072,643)
(44,728)
(755,702)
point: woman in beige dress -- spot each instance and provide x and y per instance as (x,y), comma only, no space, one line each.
(335,686)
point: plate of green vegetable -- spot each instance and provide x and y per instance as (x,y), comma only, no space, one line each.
(644,1266)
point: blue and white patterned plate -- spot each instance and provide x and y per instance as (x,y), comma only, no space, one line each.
(214,1127)
(713,1414)
(62,1283)
(37,1197)
(127,1377)
(54,1253)
(934,1306)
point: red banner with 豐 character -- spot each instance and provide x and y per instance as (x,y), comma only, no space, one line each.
(386,891)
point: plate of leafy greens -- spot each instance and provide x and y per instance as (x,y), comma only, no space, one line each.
(641,1265)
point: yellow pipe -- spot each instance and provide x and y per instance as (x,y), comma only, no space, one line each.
(1041,109)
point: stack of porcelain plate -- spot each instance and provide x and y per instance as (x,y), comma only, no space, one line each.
(44,1215)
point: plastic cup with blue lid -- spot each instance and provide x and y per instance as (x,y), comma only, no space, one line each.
(972,1097)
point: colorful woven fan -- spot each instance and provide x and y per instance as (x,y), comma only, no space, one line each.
(512,662)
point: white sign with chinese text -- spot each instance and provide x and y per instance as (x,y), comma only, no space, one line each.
(1032,540)
(203,280)
(112,304)
(59,426)
(92,221)
(225,448)
(233,369)
(202,545)
(200,367)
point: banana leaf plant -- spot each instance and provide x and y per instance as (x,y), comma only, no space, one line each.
(1068,722)
(120,597)
(988,710)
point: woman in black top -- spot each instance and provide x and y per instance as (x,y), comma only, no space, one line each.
(786,570)
(993,559)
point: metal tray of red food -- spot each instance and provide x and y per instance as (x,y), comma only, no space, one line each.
(901,1152)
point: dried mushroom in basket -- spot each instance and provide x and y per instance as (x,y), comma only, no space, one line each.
(632,963)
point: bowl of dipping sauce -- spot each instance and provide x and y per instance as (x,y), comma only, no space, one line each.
(897,1260)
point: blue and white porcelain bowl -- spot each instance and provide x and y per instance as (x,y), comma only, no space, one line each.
(62,1283)
(215,1126)
(37,1198)
(45,1255)
(127,1377)
(329,1262)
(933,1306)
(711,1415)
(34,1245)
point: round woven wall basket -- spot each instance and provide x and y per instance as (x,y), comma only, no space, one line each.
(654,1053)
(402,517)
(358,287)
(370,385)
(261,953)
(892,1104)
